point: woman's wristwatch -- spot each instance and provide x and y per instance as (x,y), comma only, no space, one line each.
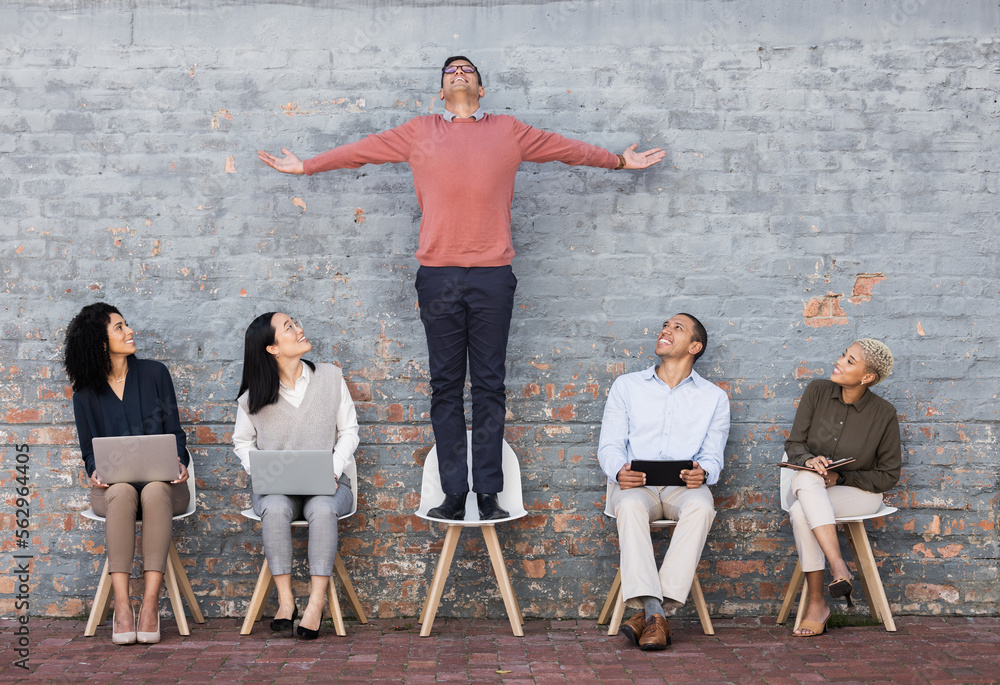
(840,479)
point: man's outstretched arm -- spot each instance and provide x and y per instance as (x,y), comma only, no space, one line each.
(390,146)
(544,146)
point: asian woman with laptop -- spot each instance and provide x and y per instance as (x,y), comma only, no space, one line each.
(840,418)
(117,394)
(287,403)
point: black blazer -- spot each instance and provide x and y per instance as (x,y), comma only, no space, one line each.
(150,381)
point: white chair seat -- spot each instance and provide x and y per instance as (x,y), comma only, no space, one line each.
(431,495)
(864,560)
(174,577)
(265,581)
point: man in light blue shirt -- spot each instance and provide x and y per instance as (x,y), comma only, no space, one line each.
(666,413)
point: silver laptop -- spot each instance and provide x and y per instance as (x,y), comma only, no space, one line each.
(292,472)
(136,458)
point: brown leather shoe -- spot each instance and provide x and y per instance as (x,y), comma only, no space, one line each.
(655,634)
(632,628)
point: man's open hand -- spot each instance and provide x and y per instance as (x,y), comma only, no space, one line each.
(289,164)
(641,160)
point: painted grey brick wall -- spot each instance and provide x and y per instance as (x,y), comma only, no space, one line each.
(831,174)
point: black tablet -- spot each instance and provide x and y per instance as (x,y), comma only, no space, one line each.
(660,473)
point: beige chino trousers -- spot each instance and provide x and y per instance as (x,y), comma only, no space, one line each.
(635,508)
(817,505)
(122,504)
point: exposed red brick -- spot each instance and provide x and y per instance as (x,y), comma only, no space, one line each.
(817,306)
(534,568)
(926,592)
(863,285)
(824,311)
(563,522)
(360,392)
(23,416)
(565,413)
(735,569)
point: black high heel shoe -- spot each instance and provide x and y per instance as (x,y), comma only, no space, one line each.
(280,625)
(842,587)
(307,633)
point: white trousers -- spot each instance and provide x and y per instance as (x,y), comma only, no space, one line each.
(635,508)
(818,505)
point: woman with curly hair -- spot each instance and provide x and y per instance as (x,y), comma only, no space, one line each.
(837,419)
(288,403)
(116,394)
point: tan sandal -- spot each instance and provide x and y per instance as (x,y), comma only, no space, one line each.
(816,627)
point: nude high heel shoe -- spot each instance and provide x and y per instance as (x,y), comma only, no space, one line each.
(126,638)
(149,638)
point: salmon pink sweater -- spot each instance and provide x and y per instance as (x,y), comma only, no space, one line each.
(463,174)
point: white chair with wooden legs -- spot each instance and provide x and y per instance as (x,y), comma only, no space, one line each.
(431,495)
(614,605)
(861,550)
(265,581)
(174,576)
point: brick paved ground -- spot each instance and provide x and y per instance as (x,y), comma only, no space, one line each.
(924,650)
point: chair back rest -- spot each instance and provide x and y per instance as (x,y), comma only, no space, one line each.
(192,490)
(785,485)
(511,499)
(351,471)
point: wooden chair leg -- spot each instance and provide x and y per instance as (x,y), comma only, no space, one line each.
(609,603)
(803,604)
(793,589)
(174,593)
(440,577)
(862,578)
(618,614)
(174,559)
(102,600)
(335,613)
(261,591)
(868,569)
(699,603)
(503,578)
(352,597)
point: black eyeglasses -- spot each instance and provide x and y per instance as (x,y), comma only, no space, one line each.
(452,68)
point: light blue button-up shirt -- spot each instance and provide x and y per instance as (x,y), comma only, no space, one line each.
(647,419)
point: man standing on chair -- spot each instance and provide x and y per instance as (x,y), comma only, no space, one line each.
(464,161)
(666,413)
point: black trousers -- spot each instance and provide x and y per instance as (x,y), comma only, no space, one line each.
(466,315)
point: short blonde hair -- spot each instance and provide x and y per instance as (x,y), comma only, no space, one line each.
(878,358)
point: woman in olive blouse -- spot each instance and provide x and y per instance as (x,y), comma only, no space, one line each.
(838,419)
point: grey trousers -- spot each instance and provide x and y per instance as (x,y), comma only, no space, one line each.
(635,508)
(321,511)
(155,504)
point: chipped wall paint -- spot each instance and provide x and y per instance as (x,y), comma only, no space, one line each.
(832,177)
